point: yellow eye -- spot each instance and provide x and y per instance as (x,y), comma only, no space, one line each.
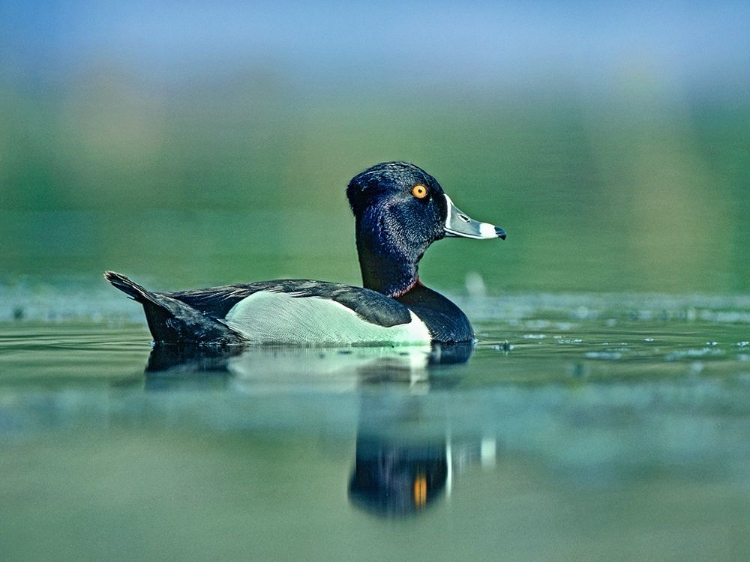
(419,191)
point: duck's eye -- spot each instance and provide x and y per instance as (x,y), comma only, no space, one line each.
(419,191)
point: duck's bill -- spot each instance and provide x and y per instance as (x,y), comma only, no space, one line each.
(460,224)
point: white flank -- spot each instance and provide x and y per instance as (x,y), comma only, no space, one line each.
(266,317)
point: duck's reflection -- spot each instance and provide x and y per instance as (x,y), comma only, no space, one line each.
(288,365)
(404,459)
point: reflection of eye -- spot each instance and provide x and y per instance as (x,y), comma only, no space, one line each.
(420,490)
(419,191)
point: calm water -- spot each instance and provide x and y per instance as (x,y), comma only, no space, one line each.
(582,427)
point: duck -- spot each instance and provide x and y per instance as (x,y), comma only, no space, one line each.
(399,211)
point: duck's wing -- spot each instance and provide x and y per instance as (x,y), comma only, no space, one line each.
(369,305)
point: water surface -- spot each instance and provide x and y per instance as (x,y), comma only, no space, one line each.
(582,427)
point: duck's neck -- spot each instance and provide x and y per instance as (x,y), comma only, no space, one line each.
(386,267)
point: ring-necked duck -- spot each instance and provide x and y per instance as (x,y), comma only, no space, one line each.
(399,211)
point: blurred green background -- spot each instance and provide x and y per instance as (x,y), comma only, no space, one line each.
(186,143)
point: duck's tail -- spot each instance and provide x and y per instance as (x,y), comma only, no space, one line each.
(133,290)
(173,321)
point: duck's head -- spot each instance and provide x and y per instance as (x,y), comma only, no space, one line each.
(400,210)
